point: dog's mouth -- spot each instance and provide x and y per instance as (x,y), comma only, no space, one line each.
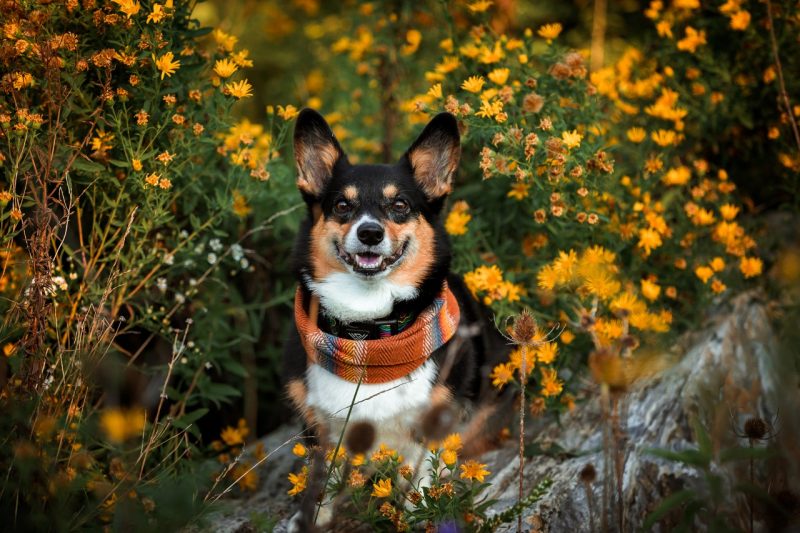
(370,263)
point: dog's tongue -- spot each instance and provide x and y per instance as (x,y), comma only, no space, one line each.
(368,260)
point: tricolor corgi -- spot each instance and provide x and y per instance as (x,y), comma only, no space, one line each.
(377,310)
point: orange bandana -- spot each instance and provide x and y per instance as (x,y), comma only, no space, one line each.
(380,360)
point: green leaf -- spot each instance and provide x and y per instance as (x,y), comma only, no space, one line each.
(703,439)
(667,505)
(740,453)
(188,419)
(87,165)
(691,457)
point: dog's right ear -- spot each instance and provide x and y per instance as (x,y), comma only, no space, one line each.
(316,152)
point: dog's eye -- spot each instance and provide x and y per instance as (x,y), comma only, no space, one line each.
(401,207)
(342,207)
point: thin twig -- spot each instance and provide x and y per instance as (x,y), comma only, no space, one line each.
(778,66)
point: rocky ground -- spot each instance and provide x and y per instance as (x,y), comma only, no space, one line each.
(725,373)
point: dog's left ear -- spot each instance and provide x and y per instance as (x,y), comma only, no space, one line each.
(316,152)
(434,156)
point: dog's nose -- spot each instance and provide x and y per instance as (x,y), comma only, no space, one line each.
(370,233)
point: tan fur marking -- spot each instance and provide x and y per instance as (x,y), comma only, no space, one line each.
(390,191)
(350,192)
(441,394)
(298,394)
(475,436)
(419,254)
(323,258)
(314,165)
(434,168)
(296,390)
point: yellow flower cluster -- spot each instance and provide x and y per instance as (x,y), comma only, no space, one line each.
(249,146)
(458,218)
(488,281)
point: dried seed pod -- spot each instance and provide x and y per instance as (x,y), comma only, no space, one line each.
(438,422)
(524,329)
(588,473)
(360,437)
(755,428)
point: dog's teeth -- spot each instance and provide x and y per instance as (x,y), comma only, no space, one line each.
(368,261)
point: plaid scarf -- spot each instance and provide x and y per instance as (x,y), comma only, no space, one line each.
(380,360)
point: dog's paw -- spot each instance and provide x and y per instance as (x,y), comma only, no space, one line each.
(301,522)
(298,523)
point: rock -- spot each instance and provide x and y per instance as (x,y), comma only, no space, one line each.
(728,371)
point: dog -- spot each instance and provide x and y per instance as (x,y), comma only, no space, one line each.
(380,322)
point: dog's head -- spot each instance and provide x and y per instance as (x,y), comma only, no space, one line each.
(375,222)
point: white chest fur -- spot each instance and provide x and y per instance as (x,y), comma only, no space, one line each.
(393,408)
(331,395)
(351,298)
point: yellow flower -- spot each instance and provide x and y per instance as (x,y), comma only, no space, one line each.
(413,38)
(717,286)
(383,453)
(519,190)
(232,436)
(740,21)
(136,165)
(382,489)
(224,68)
(474,470)
(452,442)
(547,353)
(473,84)
(287,113)
(166,65)
(692,41)
(751,266)
(636,135)
(165,183)
(551,385)
(677,176)
(728,211)
(601,283)
(704,273)
(224,41)
(157,15)
(717,264)
(435,91)
(121,424)
(650,289)
(448,64)
(239,89)
(664,137)
(152,179)
(499,75)
(549,31)
(456,223)
(358,459)
(298,481)
(502,374)
(129,7)
(480,6)
(240,207)
(649,239)
(449,457)
(572,139)
(299,450)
